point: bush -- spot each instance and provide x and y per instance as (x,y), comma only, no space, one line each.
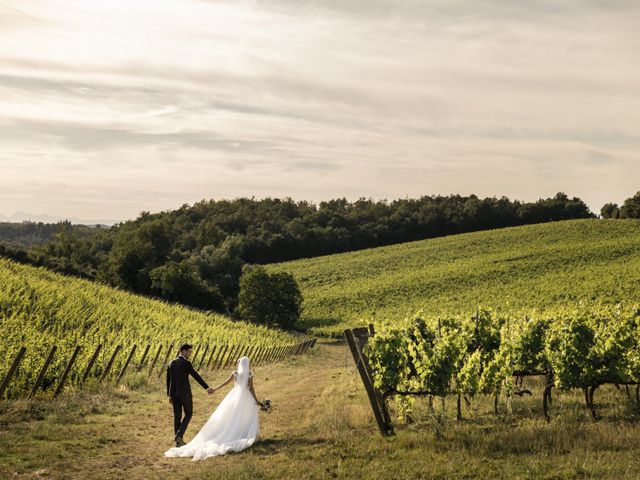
(269,299)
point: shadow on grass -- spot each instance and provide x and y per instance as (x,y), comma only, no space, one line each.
(271,446)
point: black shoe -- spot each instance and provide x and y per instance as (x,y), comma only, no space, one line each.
(179,442)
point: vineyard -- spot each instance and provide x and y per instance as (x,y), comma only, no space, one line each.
(83,331)
(530,270)
(489,354)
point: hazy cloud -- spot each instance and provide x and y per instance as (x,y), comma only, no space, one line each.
(110,108)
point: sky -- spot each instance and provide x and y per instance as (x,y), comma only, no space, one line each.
(110,108)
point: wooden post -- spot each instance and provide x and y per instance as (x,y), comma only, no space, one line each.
(213,351)
(267,358)
(251,352)
(155,359)
(144,357)
(261,353)
(164,362)
(195,355)
(234,355)
(385,429)
(12,370)
(43,370)
(204,356)
(218,363)
(126,364)
(63,379)
(110,363)
(93,359)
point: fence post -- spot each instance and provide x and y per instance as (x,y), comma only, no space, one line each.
(43,370)
(267,354)
(63,379)
(92,360)
(110,363)
(220,357)
(385,429)
(276,354)
(213,352)
(251,352)
(195,355)
(155,359)
(261,354)
(233,359)
(126,364)
(204,356)
(233,353)
(144,357)
(12,370)
(164,362)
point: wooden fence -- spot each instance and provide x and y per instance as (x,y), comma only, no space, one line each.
(206,357)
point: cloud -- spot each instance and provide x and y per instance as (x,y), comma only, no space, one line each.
(145,105)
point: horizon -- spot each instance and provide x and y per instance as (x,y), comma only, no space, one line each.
(46,217)
(104,115)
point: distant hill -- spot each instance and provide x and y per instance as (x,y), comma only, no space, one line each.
(536,267)
(28,234)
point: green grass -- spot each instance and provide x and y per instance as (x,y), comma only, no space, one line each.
(530,268)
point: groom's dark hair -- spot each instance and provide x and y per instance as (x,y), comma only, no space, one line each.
(184,347)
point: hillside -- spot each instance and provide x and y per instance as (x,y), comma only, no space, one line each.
(194,255)
(39,308)
(535,267)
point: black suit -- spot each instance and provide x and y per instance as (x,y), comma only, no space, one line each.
(179,389)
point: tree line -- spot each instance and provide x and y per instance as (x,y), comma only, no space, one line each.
(195,255)
(29,234)
(629,209)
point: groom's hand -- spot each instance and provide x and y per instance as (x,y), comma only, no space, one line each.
(171,400)
(210,390)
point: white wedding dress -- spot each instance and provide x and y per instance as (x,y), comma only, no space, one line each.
(233,426)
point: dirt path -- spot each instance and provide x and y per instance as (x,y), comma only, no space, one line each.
(126,436)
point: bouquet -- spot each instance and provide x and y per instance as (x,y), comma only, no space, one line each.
(265,405)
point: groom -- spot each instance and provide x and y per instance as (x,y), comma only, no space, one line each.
(179,390)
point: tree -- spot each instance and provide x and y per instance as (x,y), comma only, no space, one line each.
(269,298)
(180,282)
(631,207)
(610,210)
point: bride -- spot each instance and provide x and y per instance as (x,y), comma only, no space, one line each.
(233,426)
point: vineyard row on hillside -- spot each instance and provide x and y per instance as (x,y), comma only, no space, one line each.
(108,364)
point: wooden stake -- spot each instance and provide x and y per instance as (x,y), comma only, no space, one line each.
(93,359)
(43,370)
(63,379)
(144,357)
(126,364)
(12,370)
(155,359)
(110,363)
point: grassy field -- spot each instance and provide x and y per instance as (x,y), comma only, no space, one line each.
(320,428)
(529,268)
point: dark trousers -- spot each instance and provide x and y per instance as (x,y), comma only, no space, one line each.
(181,423)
